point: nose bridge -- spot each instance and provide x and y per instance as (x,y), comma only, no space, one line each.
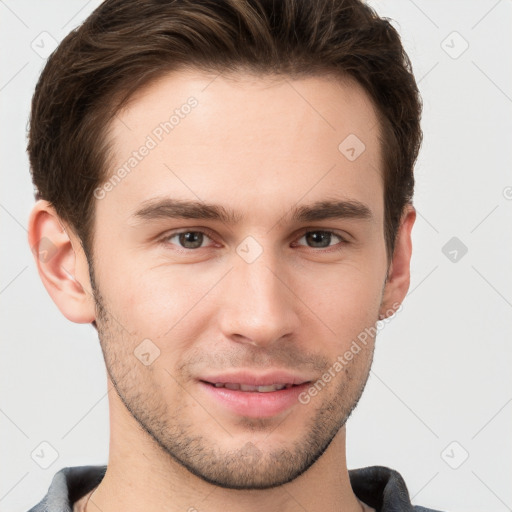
(258,307)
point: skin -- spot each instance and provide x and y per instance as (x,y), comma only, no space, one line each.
(259,146)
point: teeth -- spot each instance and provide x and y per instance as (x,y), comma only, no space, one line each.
(273,387)
(247,387)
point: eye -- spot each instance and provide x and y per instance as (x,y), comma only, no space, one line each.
(320,238)
(187,239)
(196,239)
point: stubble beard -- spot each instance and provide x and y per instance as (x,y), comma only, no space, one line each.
(249,465)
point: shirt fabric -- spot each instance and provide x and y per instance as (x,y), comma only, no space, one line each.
(379,487)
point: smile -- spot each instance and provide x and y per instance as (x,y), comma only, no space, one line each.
(248,387)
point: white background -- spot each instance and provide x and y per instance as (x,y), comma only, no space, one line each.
(441,372)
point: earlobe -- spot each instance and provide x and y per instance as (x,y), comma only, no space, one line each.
(399,275)
(61,263)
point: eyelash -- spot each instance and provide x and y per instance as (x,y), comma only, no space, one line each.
(343,241)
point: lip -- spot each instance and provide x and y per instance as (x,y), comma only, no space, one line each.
(254,404)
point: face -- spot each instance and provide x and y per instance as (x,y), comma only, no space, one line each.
(237,258)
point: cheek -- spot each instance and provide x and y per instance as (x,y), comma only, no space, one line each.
(346,304)
(159,303)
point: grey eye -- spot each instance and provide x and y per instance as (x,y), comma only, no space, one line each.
(319,238)
(189,239)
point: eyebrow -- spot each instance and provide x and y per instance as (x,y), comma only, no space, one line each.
(165,208)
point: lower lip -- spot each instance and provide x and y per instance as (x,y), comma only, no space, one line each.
(254,404)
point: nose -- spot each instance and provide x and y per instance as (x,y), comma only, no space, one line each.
(259,305)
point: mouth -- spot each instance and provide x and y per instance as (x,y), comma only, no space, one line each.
(235,386)
(254,396)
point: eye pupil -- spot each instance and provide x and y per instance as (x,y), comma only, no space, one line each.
(319,237)
(191,239)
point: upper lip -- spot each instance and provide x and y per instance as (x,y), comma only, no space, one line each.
(255,379)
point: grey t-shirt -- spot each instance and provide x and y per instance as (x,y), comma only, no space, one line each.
(379,487)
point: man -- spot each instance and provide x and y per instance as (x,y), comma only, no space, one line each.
(226,190)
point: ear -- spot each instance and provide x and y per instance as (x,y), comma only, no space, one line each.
(61,263)
(399,276)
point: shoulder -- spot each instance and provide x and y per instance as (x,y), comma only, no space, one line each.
(384,489)
(69,485)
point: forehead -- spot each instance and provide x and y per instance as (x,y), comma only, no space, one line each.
(245,140)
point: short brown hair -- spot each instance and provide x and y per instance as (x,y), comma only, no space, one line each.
(125,44)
